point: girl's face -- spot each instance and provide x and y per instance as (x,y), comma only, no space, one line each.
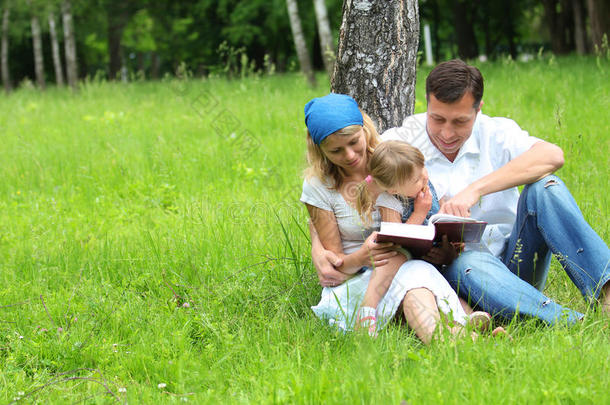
(412,187)
(347,152)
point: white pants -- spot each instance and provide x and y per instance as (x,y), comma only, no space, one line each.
(339,305)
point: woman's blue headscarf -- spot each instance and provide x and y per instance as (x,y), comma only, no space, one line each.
(328,114)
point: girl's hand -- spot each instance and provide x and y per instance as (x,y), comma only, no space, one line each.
(376,254)
(422,204)
(445,254)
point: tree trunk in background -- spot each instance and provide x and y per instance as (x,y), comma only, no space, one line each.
(6,77)
(377,57)
(70,44)
(59,74)
(556,22)
(580,36)
(326,38)
(509,29)
(38,58)
(436,20)
(155,65)
(116,23)
(299,41)
(599,16)
(464,31)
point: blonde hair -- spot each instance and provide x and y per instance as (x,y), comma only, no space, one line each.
(322,168)
(391,164)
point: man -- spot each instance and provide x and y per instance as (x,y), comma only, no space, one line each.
(476,163)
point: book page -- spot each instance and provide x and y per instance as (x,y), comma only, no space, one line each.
(449,218)
(408,230)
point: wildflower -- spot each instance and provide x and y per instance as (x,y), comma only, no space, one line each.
(122,390)
(161,385)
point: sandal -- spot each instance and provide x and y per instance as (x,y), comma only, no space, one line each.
(367,320)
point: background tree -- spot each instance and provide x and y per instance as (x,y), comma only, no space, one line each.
(463,21)
(599,17)
(377,56)
(326,38)
(70,44)
(57,65)
(299,41)
(37,42)
(6,78)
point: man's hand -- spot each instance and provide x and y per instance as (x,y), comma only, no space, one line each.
(326,263)
(445,254)
(460,203)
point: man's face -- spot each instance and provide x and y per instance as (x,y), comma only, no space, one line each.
(449,125)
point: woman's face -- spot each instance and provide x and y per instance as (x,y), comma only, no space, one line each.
(346,151)
(411,188)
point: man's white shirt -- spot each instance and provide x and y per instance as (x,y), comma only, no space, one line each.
(493,143)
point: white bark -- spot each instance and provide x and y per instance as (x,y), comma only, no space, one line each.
(59,74)
(38,58)
(377,57)
(70,44)
(299,41)
(326,38)
(6,78)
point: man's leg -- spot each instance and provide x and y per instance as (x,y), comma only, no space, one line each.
(548,220)
(489,284)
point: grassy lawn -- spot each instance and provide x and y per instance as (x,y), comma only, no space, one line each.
(153,250)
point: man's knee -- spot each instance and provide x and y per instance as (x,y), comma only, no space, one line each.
(470,264)
(545,187)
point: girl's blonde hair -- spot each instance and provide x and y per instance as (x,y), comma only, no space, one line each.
(322,168)
(391,164)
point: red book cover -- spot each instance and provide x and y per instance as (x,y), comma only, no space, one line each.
(419,239)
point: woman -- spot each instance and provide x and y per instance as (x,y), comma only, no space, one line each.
(340,141)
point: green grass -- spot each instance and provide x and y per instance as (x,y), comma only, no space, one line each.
(142,243)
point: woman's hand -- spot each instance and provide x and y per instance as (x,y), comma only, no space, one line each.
(376,254)
(445,254)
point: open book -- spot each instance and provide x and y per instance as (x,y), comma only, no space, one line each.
(419,239)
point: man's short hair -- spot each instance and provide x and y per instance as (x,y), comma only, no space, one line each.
(450,80)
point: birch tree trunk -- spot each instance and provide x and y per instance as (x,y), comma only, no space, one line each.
(326,38)
(59,74)
(377,57)
(299,41)
(6,77)
(70,44)
(38,58)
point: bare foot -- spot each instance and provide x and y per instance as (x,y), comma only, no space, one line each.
(479,321)
(604,298)
(501,332)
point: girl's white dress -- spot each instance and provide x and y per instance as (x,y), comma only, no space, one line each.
(339,305)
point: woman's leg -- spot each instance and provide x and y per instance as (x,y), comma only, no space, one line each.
(421,312)
(424,294)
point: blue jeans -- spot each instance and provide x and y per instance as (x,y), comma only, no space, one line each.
(548,222)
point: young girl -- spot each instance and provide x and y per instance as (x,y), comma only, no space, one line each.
(340,142)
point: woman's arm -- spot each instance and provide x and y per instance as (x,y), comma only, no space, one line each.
(325,262)
(326,227)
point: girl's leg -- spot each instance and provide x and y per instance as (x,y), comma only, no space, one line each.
(381,280)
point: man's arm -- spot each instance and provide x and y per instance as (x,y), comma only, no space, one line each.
(542,159)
